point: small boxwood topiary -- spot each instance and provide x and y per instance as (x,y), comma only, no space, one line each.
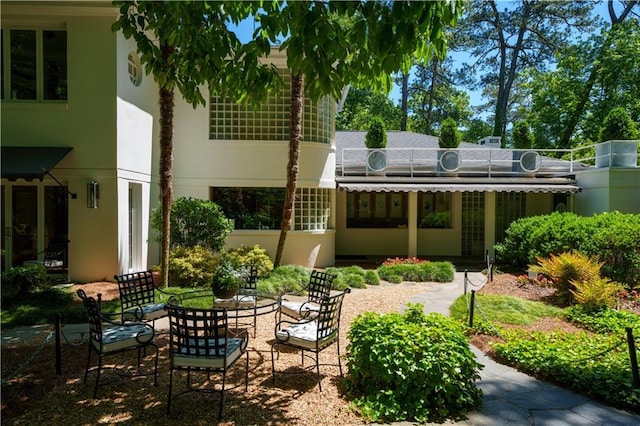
(411,367)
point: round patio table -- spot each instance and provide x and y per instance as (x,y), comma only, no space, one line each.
(247,303)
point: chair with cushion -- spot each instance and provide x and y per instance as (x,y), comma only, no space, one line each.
(296,307)
(139,297)
(312,335)
(199,342)
(54,258)
(109,338)
(248,297)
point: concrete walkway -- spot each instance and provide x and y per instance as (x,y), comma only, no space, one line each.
(514,398)
(510,397)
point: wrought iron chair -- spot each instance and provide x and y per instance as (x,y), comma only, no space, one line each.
(248,297)
(54,258)
(138,298)
(318,287)
(109,338)
(312,335)
(199,341)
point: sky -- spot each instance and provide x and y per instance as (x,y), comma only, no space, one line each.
(245,30)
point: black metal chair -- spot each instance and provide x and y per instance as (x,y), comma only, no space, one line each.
(107,337)
(248,297)
(312,335)
(318,287)
(54,258)
(139,298)
(199,341)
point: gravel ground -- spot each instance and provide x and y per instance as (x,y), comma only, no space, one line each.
(38,396)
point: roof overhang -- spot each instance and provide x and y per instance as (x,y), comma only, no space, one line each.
(32,162)
(452,187)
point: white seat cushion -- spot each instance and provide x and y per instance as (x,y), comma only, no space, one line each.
(204,360)
(303,334)
(119,337)
(299,310)
(150,312)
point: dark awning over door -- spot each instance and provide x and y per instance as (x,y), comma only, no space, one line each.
(30,162)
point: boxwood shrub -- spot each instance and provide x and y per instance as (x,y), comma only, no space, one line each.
(410,367)
(441,272)
(614,238)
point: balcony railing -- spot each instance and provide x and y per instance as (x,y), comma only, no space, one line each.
(485,161)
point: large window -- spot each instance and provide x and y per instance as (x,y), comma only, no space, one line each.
(35,68)
(509,207)
(376,210)
(270,122)
(261,208)
(434,209)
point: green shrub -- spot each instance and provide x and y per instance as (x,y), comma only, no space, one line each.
(605,320)
(194,222)
(522,136)
(618,125)
(192,266)
(597,293)
(285,279)
(410,366)
(565,269)
(376,137)
(23,279)
(418,272)
(352,276)
(449,135)
(255,255)
(371,277)
(613,237)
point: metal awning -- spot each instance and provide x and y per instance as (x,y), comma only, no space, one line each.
(31,162)
(467,187)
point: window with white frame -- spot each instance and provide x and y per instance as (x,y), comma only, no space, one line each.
(34,64)
(232,121)
(261,208)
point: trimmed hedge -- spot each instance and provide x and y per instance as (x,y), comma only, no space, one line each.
(441,272)
(614,238)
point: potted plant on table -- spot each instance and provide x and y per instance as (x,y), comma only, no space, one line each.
(228,278)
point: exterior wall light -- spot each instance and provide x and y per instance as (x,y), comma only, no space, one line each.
(93,194)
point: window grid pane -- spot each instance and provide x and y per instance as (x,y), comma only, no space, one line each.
(311,209)
(270,122)
(509,207)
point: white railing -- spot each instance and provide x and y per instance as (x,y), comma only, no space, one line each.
(486,161)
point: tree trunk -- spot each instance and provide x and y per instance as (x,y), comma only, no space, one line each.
(405,97)
(166,168)
(432,96)
(295,136)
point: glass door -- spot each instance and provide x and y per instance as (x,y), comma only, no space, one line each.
(24,200)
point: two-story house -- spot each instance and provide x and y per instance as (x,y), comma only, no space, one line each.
(80,157)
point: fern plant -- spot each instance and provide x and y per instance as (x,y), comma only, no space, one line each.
(596,294)
(566,268)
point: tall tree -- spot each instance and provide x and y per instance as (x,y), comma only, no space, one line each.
(333,44)
(434,97)
(185,45)
(583,97)
(362,106)
(523,34)
(557,93)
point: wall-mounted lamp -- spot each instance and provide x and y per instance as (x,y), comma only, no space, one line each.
(93,193)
